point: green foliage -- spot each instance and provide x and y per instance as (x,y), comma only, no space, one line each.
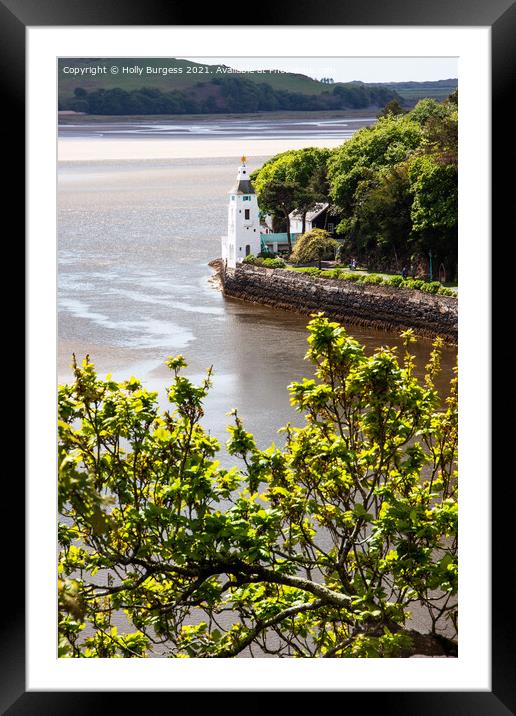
(310,270)
(453,98)
(434,287)
(274,263)
(357,277)
(312,246)
(296,165)
(397,281)
(427,109)
(382,216)
(390,141)
(393,184)
(339,251)
(434,186)
(392,107)
(416,283)
(319,548)
(267,262)
(373,278)
(292,180)
(396,183)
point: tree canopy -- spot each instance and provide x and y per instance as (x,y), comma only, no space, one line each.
(392,107)
(387,143)
(296,165)
(292,180)
(394,184)
(324,547)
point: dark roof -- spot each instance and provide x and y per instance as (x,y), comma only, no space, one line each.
(243,186)
(310,215)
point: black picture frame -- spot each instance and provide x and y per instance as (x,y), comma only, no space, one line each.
(500,16)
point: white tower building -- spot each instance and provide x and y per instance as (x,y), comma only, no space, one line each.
(243,237)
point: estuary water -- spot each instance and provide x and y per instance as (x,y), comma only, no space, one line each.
(135,236)
(140,214)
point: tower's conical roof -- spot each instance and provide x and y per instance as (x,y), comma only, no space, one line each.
(243,183)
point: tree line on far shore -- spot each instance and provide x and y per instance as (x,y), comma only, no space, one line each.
(222,95)
(393,185)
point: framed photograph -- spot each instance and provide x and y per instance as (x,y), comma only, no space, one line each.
(176,190)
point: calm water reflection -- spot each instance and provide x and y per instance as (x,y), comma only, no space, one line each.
(135,239)
(134,242)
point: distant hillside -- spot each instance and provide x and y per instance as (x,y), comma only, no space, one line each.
(177,75)
(171,86)
(414,91)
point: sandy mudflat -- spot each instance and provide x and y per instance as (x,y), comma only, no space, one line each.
(98,149)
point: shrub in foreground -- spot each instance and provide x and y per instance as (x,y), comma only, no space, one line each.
(268,262)
(431,287)
(397,281)
(274,263)
(314,245)
(309,270)
(320,548)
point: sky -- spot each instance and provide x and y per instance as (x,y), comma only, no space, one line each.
(347,69)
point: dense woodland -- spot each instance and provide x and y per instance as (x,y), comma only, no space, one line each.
(393,184)
(222,95)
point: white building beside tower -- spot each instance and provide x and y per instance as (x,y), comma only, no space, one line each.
(243,237)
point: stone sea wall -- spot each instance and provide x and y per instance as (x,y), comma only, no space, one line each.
(384,307)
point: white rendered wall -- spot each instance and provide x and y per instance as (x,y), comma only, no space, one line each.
(242,232)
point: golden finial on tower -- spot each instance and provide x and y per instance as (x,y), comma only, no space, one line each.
(243,159)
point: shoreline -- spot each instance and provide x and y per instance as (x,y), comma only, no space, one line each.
(77,118)
(129,138)
(96,149)
(385,308)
